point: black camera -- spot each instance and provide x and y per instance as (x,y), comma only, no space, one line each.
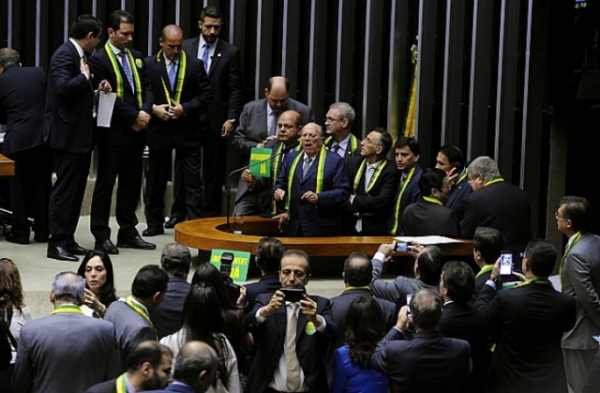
(233,290)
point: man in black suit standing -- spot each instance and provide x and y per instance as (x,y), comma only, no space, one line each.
(181,96)
(223,65)
(69,131)
(374,181)
(120,147)
(338,126)
(530,321)
(22,99)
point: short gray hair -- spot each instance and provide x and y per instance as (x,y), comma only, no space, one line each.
(68,286)
(193,358)
(485,167)
(346,111)
(8,56)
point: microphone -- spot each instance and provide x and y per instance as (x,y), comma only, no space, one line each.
(285,150)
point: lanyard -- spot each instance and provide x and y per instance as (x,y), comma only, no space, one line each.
(574,239)
(432,199)
(320,174)
(399,199)
(484,270)
(493,180)
(176,99)
(361,172)
(66,309)
(535,280)
(119,77)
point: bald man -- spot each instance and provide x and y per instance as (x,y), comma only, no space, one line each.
(182,95)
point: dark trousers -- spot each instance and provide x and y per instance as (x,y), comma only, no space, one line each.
(66,196)
(30,191)
(124,162)
(159,167)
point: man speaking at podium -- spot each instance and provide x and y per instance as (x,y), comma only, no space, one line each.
(313,184)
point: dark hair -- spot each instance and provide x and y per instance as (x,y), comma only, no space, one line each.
(385,140)
(8,56)
(119,16)
(147,351)
(268,253)
(489,242)
(364,329)
(176,259)
(412,144)
(298,254)
(459,280)
(107,293)
(579,211)
(212,12)
(358,270)
(426,308)
(11,289)
(541,256)
(149,280)
(430,262)
(85,24)
(453,154)
(202,320)
(431,178)
(208,274)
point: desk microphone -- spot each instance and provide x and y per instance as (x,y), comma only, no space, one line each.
(285,150)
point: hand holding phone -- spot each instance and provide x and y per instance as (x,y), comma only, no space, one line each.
(401,247)
(293,295)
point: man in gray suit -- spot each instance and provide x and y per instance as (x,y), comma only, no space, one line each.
(65,351)
(131,316)
(580,277)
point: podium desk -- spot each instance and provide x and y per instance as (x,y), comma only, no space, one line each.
(7,166)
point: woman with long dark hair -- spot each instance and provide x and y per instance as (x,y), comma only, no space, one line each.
(353,372)
(203,321)
(97,269)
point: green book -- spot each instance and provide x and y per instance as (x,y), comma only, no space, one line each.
(264,168)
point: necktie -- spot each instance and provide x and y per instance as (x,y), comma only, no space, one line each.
(172,74)
(305,167)
(402,179)
(292,378)
(369,175)
(205,56)
(335,148)
(273,124)
(126,68)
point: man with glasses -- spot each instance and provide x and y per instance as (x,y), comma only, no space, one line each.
(374,182)
(338,126)
(312,184)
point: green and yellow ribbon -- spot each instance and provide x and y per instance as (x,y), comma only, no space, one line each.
(121,385)
(176,98)
(493,180)
(320,174)
(432,199)
(399,200)
(572,241)
(534,280)
(139,309)
(462,177)
(353,143)
(275,172)
(67,309)
(485,269)
(361,172)
(132,65)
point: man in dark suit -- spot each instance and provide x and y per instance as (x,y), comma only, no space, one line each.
(315,183)
(451,160)
(181,96)
(460,320)
(497,204)
(268,258)
(428,216)
(487,246)
(338,126)
(374,180)
(131,317)
(223,66)
(580,278)
(407,152)
(69,131)
(65,351)
(148,367)
(176,260)
(22,100)
(530,321)
(292,336)
(120,147)
(429,362)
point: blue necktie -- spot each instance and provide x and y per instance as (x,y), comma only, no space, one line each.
(205,56)
(126,68)
(172,74)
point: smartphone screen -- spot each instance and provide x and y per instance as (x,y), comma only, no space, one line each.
(408,299)
(401,247)
(505,263)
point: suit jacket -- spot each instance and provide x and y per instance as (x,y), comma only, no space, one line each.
(429,362)
(225,76)
(348,153)
(411,195)
(580,278)
(253,128)
(395,291)
(130,328)
(374,206)
(185,132)
(530,322)
(104,387)
(268,284)
(126,110)
(426,218)
(322,218)
(458,198)
(68,116)
(22,101)
(310,349)
(179,387)
(65,352)
(501,206)
(166,318)
(464,322)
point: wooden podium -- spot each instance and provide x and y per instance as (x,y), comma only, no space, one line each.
(7,166)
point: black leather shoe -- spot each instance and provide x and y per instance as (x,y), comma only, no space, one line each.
(172,222)
(153,231)
(16,239)
(61,254)
(76,249)
(107,246)
(136,242)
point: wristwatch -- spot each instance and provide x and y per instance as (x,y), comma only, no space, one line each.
(232,121)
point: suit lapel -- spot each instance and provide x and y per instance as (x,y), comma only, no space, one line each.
(216,58)
(312,171)
(300,325)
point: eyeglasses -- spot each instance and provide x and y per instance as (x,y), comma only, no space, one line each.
(330,119)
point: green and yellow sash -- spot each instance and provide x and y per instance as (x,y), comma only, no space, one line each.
(484,270)
(534,280)
(572,241)
(432,199)
(361,172)
(399,200)
(175,99)
(320,175)
(139,309)
(67,309)
(492,181)
(132,65)
(353,142)
(462,177)
(276,165)
(121,385)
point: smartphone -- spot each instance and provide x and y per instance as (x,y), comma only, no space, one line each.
(506,263)
(408,299)
(293,295)
(226,262)
(401,247)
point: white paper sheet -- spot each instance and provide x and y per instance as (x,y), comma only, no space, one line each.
(106,103)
